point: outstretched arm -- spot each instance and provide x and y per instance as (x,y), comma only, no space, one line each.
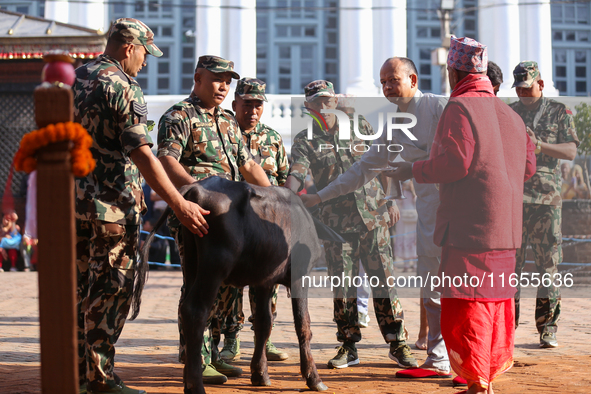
(189,213)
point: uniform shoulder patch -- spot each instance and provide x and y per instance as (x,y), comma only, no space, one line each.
(139,109)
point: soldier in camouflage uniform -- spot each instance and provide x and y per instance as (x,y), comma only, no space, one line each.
(551,128)
(266,146)
(198,139)
(109,103)
(361,218)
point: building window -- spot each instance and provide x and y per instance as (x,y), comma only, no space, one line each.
(163,67)
(303,37)
(309,11)
(143,82)
(139,8)
(188,53)
(119,9)
(296,9)
(282,9)
(284,52)
(571,71)
(188,68)
(153,6)
(561,71)
(571,13)
(284,85)
(281,31)
(187,84)
(167,8)
(163,83)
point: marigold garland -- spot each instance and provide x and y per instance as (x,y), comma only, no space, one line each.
(82,161)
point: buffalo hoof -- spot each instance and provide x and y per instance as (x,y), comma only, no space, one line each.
(318,387)
(194,390)
(259,380)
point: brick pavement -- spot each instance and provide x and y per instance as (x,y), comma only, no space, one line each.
(147,350)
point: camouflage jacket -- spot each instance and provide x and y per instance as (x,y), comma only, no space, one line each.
(204,144)
(356,212)
(552,123)
(111,106)
(266,146)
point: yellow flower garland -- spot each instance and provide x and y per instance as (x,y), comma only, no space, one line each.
(82,161)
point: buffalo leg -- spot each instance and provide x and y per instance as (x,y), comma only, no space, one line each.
(302,326)
(195,310)
(263,322)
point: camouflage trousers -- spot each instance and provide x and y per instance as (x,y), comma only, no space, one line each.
(541,229)
(373,250)
(229,321)
(228,317)
(225,298)
(105,258)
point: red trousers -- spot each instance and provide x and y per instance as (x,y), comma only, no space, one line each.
(479,337)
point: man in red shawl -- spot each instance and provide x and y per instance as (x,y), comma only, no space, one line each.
(481,156)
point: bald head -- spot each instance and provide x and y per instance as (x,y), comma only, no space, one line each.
(399,80)
(404,63)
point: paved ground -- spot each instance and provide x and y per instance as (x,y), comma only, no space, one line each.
(147,350)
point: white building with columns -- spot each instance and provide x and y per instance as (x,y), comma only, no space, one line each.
(289,43)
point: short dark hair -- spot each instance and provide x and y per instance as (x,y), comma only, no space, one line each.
(116,41)
(494,73)
(410,65)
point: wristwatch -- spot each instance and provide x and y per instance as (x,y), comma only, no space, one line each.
(538,147)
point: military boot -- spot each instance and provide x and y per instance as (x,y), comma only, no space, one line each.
(274,354)
(231,350)
(212,376)
(226,369)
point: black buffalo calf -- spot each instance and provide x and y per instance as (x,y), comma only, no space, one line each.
(258,237)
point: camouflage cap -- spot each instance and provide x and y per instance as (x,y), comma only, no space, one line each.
(319,88)
(525,74)
(251,89)
(137,32)
(216,64)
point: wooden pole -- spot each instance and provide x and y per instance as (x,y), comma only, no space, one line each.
(57,253)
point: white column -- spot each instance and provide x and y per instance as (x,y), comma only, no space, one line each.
(356,48)
(536,39)
(498,29)
(389,32)
(92,14)
(57,10)
(209,31)
(240,36)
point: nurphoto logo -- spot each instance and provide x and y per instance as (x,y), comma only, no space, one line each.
(344,127)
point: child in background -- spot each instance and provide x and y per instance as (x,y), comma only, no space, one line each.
(11,239)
